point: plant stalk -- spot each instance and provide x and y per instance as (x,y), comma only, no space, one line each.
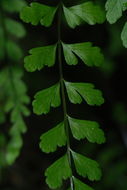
(66,124)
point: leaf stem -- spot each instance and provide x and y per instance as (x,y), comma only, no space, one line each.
(66,124)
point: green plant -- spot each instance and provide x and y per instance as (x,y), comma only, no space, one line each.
(13,98)
(54,95)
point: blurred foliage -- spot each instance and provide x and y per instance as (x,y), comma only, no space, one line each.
(13,98)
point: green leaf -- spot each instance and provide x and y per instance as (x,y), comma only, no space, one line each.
(124,35)
(86,167)
(53,138)
(91,56)
(80,185)
(38,13)
(77,91)
(86,129)
(14,51)
(58,171)
(13,5)
(114,9)
(15,28)
(40,57)
(44,99)
(88,12)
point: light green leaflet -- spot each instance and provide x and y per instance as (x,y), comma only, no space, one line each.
(91,56)
(124,35)
(77,91)
(53,138)
(40,57)
(62,171)
(38,13)
(15,28)
(86,167)
(80,185)
(44,99)
(86,129)
(88,12)
(115,9)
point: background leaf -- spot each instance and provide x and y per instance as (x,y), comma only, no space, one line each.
(13,5)
(15,28)
(114,10)
(14,51)
(124,35)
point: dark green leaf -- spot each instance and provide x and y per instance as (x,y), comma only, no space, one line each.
(47,98)
(91,56)
(57,172)
(77,91)
(86,167)
(38,13)
(53,138)
(86,129)
(40,57)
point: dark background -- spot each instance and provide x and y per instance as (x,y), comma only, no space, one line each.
(28,171)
